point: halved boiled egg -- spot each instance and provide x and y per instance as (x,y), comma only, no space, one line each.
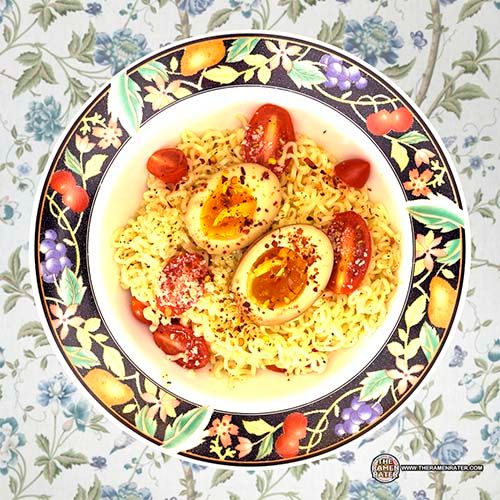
(283,274)
(237,206)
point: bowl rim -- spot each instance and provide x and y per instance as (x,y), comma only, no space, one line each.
(460,300)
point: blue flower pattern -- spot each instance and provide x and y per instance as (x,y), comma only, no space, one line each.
(55,390)
(373,40)
(195,7)
(491,434)
(43,119)
(420,495)
(79,413)
(418,38)
(99,462)
(5,6)
(9,210)
(93,8)
(126,491)
(372,490)
(24,168)
(347,457)
(470,141)
(245,6)
(119,49)
(494,351)
(10,440)
(451,449)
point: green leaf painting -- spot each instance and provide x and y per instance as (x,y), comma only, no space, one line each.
(154,69)
(113,360)
(125,102)
(70,288)
(93,166)
(222,74)
(257,427)
(397,72)
(453,249)
(334,33)
(144,423)
(187,430)
(399,154)
(375,385)
(72,163)
(219,18)
(306,74)
(241,48)
(415,311)
(81,358)
(429,340)
(69,458)
(437,213)
(413,137)
(265,447)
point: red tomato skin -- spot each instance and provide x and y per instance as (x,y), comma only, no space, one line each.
(295,425)
(168,164)
(198,354)
(352,245)
(401,120)
(137,308)
(270,128)
(171,339)
(379,123)
(286,446)
(182,283)
(62,181)
(176,339)
(354,172)
(76,199)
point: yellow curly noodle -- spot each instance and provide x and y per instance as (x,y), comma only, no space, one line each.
(239,348)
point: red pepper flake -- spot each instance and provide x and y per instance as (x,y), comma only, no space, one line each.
(310,163)
(182,282)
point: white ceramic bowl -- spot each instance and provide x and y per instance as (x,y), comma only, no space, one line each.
(118,199)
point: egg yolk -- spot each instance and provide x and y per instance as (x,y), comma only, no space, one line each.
(277,277)
(229,210)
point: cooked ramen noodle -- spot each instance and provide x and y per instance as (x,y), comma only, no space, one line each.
(239,347)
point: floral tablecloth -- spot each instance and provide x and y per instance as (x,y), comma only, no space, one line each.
(55,53)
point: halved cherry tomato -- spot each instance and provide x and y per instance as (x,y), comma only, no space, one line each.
(286,446)
(197,354)
(62,181)
(295,425)
(352,246)
(353,172)
(379,123)
(182,283)
(138,310)
(176,339)
(269,130)
(171,339)
(401,120)
(76,198)
(169,165)
(274,368)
